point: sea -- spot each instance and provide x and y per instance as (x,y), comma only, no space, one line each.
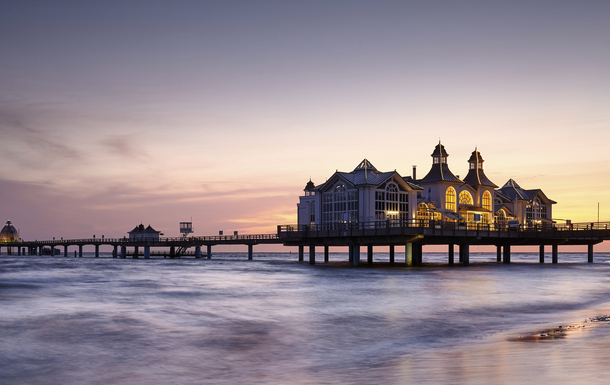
(274,320)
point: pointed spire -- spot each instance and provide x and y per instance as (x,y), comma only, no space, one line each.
(366,166)
(476,176)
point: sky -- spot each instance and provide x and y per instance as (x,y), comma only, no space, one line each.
(116,113)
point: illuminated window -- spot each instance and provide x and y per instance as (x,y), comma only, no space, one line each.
(450,199)
(535,210)
(465,198)
(422,211)
(391,196)
(501,219)
(486,200)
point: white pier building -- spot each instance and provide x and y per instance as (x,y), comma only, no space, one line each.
(367,195)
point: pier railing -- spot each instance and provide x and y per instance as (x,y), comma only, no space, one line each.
(163,240)
(445,225)
(290,230)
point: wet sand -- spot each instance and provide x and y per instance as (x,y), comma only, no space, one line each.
(562,331)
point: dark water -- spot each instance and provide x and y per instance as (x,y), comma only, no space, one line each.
(277,321)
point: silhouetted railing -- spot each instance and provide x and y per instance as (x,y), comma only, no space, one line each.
(337,226)
(126,240)
(411,223)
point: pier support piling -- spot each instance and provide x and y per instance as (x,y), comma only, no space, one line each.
(123,252)
(97,251)
(326,252)
(555,252)
(418,254)
(312,254)
(115,252)
(198,252)
(590,253)
(208,254)
(369,255)
(250,250)
(356,254)
(498,253)
(146,252)
(391,254)
(301,253)
(541,254)
(350,253)
(451,252)
(65,251)
(136,252)
(80,251)
(465,254)
(507,254)
(409,254)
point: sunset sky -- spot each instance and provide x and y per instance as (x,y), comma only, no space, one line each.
(116,113)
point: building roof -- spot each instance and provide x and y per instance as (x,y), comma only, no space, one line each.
(476,176)
(512,190)
(9,233)
(366,174)
(142,230)
(309,186)
(502,206)
(440,173)
(439,150)
(440,169)
(365,165)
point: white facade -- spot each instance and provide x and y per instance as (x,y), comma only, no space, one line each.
(366,195)
(363,195)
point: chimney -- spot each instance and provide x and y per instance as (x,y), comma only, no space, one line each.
(414,172)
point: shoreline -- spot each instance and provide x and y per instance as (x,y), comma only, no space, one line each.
(561,331)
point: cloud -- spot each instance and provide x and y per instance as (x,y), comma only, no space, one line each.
(29,144)
(125,145)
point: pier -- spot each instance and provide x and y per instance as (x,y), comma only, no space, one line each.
(413,235)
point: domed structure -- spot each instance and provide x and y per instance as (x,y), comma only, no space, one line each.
(9,233)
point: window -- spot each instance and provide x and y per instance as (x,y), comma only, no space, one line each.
(486,200)
(391,203)
(404,206)
(312,212)
(450,199)
(465,198)
(501,219)
(339,205)
(535,210)
(422,211)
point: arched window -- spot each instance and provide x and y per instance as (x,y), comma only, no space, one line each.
(422,211)
(391,196)
(465,198)
(338,205)
(532,211)
(450,199)
(486,200)
(391,203)
(501,219)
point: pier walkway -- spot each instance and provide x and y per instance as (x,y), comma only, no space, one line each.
(413,235)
